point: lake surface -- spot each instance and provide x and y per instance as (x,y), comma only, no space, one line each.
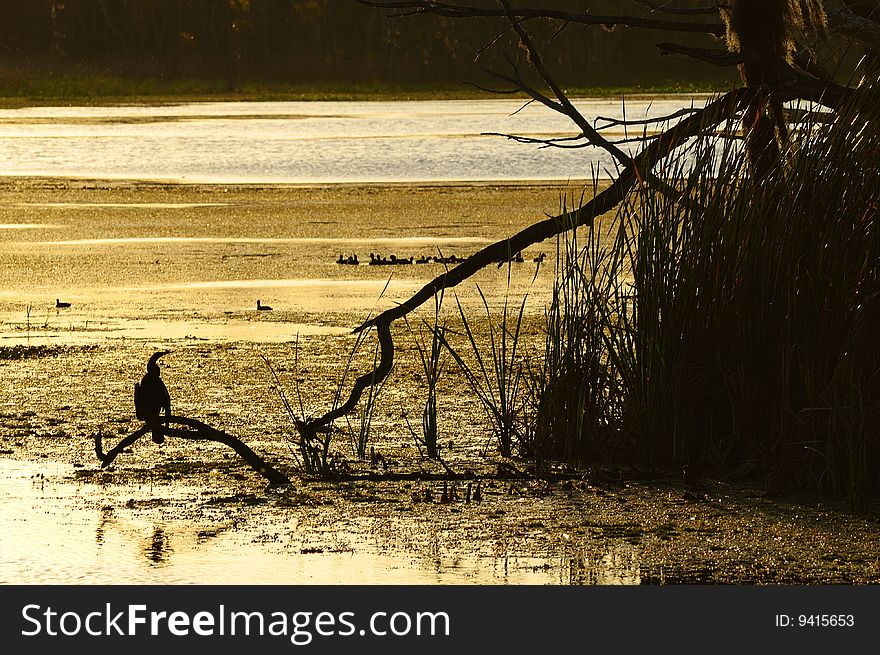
(311,142)
(181,266)
(173,261)
(62,532)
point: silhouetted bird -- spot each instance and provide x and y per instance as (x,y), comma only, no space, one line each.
(61,305)
(151,397)
(263,308)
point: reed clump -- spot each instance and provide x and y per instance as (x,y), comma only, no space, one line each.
(734,325)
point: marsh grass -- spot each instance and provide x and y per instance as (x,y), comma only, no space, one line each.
(494,369)
(432,365)
(310,455)
(731,326)
(574,396)
(359,430)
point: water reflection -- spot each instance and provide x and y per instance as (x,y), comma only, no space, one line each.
(158,548)
(107,517)
(58,531)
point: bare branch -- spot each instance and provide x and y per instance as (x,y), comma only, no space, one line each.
(201,432)
(614,122)
(679,11)
(713,114)
(563,105)
(699,122)
(386,360)
(709,55)
(609,22)
(560,142)
(479,87)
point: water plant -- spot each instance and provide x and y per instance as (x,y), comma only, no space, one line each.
(433,365)
(574,395)
(729,323)
(497,375)
(359,430)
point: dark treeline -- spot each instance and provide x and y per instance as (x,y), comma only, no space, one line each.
(316,41)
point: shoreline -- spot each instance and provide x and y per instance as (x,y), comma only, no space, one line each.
(89,182)
(11,102)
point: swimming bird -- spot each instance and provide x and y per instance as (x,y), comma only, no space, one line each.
(61,305)
(151,397)
(540,258)
(263,308)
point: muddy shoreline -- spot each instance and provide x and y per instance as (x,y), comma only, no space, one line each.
(621,529)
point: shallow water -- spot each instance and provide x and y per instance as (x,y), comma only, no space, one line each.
(58,531)
(314,142)
(132,267)
(184,274)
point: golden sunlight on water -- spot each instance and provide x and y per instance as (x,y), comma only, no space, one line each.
(104,273)
(59,531)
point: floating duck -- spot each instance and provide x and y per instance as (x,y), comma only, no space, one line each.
(263,308)
(540,258)
(61,305)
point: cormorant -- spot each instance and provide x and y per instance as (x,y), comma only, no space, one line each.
(61,305)
(151,397)
(263,308)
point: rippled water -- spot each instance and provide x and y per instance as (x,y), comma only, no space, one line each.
(309,141)
(57,531)
(162,266)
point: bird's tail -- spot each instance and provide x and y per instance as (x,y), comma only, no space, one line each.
(158,434)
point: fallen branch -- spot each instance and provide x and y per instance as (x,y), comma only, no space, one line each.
(200,432)
(712,114)
(785,83)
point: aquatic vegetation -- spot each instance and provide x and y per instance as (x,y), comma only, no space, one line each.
(730,325)
(28,352)
(496,372)
(433,365)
